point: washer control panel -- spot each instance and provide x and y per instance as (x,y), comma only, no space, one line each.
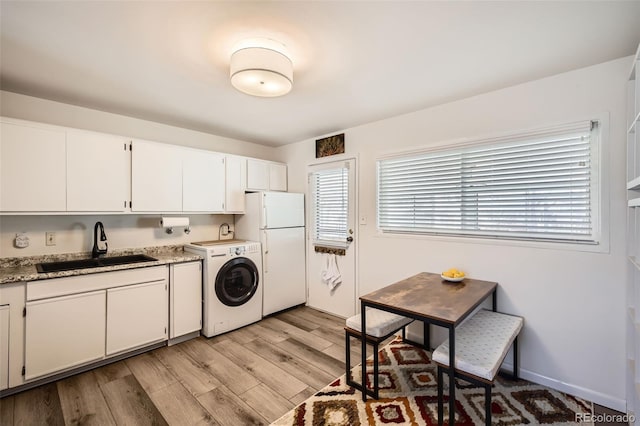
(223,250)
(244,249)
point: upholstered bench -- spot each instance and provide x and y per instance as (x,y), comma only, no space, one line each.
(481,344)
(380,326)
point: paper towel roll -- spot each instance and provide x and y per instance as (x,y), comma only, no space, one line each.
(174,222)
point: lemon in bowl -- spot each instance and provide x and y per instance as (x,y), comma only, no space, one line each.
(453,275)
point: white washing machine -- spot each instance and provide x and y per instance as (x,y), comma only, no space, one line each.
(232,291)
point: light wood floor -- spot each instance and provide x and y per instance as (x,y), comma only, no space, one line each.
(249,376)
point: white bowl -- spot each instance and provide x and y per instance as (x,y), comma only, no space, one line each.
(453,280)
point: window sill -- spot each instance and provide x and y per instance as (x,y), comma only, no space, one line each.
(601,247)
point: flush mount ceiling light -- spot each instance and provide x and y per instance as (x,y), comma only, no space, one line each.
(261,68)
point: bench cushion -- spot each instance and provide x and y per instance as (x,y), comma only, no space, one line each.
(379,323)
(482,342)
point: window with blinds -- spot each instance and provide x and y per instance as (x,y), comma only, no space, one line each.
(539,186)
(331,205)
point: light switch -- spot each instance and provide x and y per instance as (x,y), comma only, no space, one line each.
(50,238)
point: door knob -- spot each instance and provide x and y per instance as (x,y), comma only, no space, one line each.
(349,239)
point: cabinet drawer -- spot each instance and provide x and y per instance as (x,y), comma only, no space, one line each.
(82,283)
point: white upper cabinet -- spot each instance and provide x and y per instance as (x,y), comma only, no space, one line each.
(257,175)
(97,172)
(277,177)
(203,177)
(156,177)
(53,169)
(32,169)
(266,175)
(235,183)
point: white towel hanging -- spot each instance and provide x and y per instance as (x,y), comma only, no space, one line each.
(330,273)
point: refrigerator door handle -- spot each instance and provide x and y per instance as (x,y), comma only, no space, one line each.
(263,204)
(265,250)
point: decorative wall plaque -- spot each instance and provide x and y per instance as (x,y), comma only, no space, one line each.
(330,145)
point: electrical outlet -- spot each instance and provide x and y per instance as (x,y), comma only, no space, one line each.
(50,238)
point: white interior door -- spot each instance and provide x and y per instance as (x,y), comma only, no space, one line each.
(331,207)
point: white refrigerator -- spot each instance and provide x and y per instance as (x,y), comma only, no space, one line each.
(276,219)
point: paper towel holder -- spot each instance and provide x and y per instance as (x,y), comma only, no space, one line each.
(187,230)
(168,223)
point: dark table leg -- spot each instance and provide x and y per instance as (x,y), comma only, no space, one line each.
(494,299)
(363,333)
(426,338)
(452,376)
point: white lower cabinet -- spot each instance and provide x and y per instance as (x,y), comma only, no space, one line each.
(136,316)
(74,321)
(185,303)
(4,347)
(63,332)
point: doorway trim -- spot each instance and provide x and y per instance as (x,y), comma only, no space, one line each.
(356,189)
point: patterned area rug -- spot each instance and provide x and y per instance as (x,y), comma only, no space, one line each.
(408,396)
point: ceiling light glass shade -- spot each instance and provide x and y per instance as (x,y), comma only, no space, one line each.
(260,71)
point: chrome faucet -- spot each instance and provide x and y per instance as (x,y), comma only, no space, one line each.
(98,252)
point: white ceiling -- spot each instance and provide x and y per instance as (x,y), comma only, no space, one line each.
(354,62)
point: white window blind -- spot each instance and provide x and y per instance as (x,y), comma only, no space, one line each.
(330,196)
(540,187)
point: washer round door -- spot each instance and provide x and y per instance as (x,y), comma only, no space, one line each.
(237,281)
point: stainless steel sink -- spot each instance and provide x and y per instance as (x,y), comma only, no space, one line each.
(69,265)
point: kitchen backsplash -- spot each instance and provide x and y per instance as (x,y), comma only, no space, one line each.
(75,233)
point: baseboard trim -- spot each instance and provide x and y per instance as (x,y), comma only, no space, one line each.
(571,389)
(183,338)
(81,369)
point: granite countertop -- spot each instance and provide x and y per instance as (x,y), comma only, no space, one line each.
(17,269)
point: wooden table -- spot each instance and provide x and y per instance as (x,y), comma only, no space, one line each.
(428,298)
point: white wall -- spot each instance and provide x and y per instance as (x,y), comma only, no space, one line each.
(573,301)
(74,233)
(45,111)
